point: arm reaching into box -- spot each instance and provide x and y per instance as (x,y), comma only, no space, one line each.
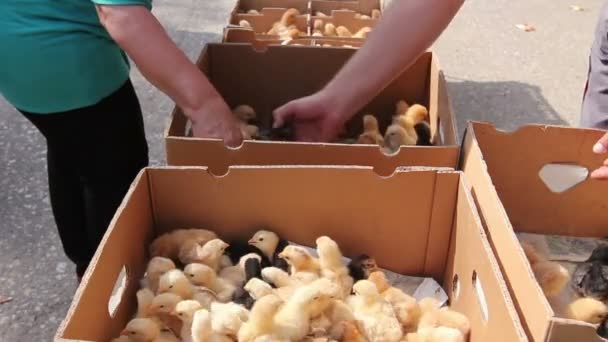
(138,32)
(404,32)
(601,147)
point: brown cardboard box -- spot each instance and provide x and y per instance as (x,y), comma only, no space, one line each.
(361,6)
(263,22)
(420,223)
(244,35)
(503,170)
(270,78)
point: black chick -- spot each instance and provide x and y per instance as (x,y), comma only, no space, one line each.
(423,129)
(237,249)
(602,329)
(361,266)
(590,279)
(278,261)
(253,269)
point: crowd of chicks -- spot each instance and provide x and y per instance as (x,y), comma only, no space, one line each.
(409,126)
(199,288)
(588,284)
(286,28)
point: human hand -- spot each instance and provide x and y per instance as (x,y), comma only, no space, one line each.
(314,118)
(215,120)
(601,147)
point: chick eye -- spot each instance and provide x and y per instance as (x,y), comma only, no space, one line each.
(133,332)
(162,306)
(286,258)
(171,286)
(180,314)
(191,275)
(261,239)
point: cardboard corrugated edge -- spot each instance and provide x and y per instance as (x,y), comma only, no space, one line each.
(501,330)
(472,254)
(193,151)
(534,309)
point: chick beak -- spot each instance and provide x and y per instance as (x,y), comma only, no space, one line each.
(124,333)
(173,313)
(281,255)
(252,241)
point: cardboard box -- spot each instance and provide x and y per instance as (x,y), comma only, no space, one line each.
(328,6)
(263,22)
(244,35)
(503,170)
(270,78)
(438,235)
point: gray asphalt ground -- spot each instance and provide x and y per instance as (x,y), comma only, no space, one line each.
(495,71)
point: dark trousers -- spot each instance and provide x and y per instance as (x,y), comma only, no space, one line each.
(93,155)
(595,100)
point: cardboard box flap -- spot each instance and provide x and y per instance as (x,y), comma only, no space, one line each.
(258,5)
(476,284)
(514,161)
(93,318)
(208,201)
(523,286)
(563,330)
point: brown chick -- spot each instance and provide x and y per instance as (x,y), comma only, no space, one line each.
(363,32)
(351,332)
(342,31)
(551,276)
(401,108)
(371,132)
(406,308)
(244,113)
(300,260)
(533,255)
(168,245)
(244,23)
(362,266)
(156,268)
(375,14)
(588,310)
(289,17)
(209,254)
(330,30)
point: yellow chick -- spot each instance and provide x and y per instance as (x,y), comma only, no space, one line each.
(330,30)
(161,307)
(317,26)
(286,28)
(363,32)
(375,14)
(337,313)
(202,330)
(332,267)
(445,317)
(203,275)
(292,321)
(144,297)
(278,277)
(244,23)
(147,330)
(587,310)
(371,132)
(271,245)
(258,289)
(300,260)
(176,282)
(342,31)
(261,318)
(156,268)
(227,318)
(209,254)
(406,308)
(168,245)
(438,334)
(402,131)
(375,316)
(184,311)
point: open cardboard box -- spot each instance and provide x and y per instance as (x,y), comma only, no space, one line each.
(263,22)
(503,170)
(328,6)
(347,19)
(270,78)
(244,35)
(243,6)
(439,234)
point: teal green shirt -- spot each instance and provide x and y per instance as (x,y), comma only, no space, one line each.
(56,56)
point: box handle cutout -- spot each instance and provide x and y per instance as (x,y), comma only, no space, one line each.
(118,291)
(560,177)
(455,288)
(481,296)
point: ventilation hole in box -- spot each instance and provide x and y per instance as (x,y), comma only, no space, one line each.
(562,177)
(455,288)
(481,296)
(118,291)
